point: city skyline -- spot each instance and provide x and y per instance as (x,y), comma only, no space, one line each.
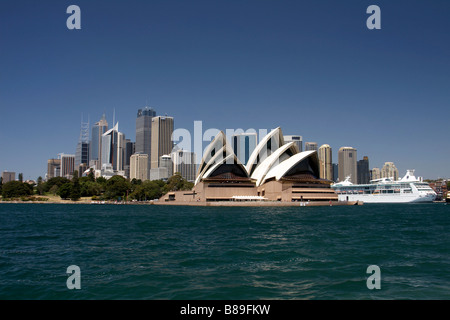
(312,68)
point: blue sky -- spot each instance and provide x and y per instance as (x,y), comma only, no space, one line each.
(311,67)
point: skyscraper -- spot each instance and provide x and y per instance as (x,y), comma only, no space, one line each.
(113,148)
(347,164)
(144,132)
(8,176)
(363,171)
(310,146)
(82,151)
(297,139)
(243,145)
(129,151)
(375,173)
(162,144)
(325,162)
(95,154)
(139,166)
(67,165)
(52,166)
(184,162)
(335,172)
(389,170)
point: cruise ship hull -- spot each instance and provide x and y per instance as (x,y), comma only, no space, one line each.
(387,198)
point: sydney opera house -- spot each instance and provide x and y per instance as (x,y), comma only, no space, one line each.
(275,171)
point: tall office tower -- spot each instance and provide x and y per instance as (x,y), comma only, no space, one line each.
(335,172)
(375,174)
(95,154)
(310,146)
(347,164)
(184,162)
(82,152)
(325,162)
(139,166)
(121,151)
(297,139)
(52,165)
(144,132)
(129,151)
(165,169)
(243,145)
(8,176)
(162,144)
(113,148)
(166,162)
(389,171)
(67,165)
(81,169)
(363,171)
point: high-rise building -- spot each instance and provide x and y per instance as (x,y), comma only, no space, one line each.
(67,165)
(8,176)
(95,153)
(139,166)
(363,171)
(335,172)
(52,166)
(129,151)
(82,151)
(166,162)
(162,144)
(325,162)
(375,173)
(184,162)
(243,145)
(297,139)
(310,146)
(82,168)
(347,164)
(143,143)
(113,148)
(389,170)
(165,169)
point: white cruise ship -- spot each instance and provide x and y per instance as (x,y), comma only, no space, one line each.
(386,190)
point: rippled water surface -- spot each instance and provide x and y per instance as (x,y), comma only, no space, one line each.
(163,252)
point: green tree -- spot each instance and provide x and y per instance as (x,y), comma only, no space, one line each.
(58,181)
(177,182)
(1,184)
(54,190)
(89,189)
(15,189)
(75,193)
(148,190)
(117,187)
(40,186)
(65,190)
(91,175)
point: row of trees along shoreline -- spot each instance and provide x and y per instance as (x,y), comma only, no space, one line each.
(117,188)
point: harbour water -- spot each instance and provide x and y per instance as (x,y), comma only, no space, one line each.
(165,252)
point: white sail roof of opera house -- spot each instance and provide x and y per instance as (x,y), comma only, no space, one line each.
(212,152)
(271,159)
(215,154)
(281,154)
(284,167)
(265,149)
(230,159)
